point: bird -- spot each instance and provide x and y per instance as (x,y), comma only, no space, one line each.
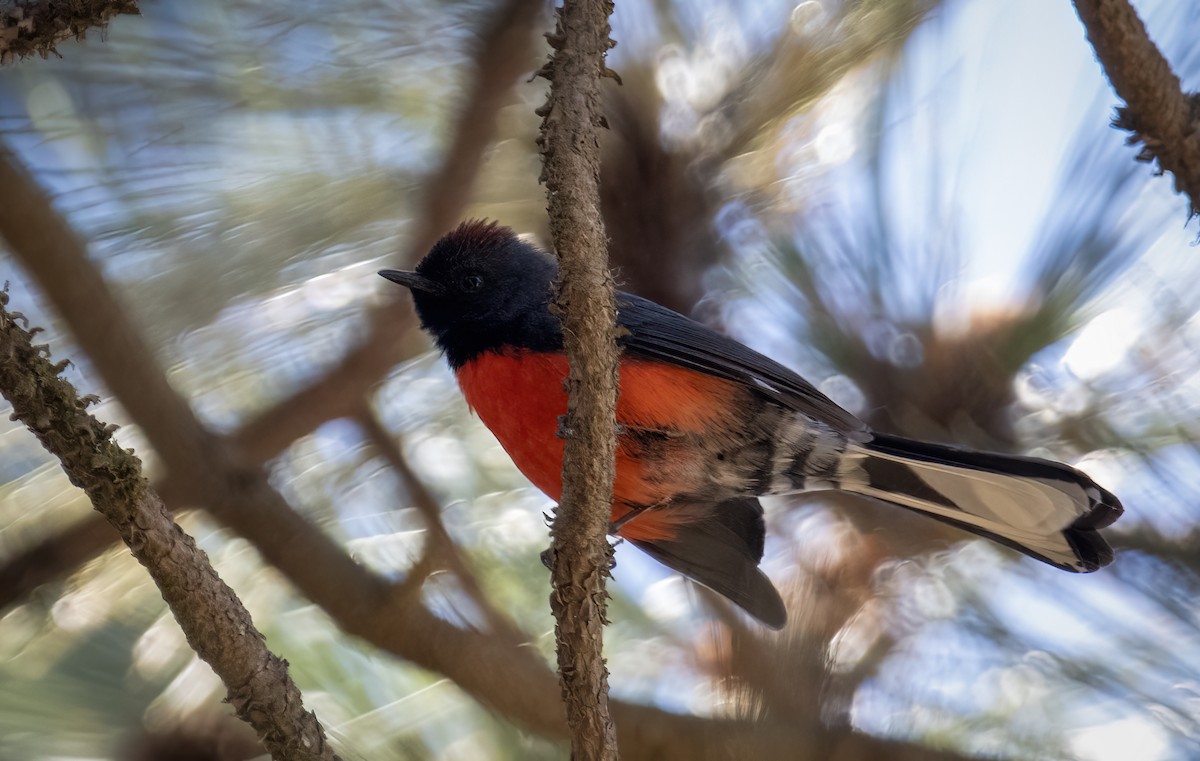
(706,426)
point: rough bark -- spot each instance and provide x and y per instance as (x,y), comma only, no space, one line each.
(218,627)
(580,555)
(35,27)
(1157,111)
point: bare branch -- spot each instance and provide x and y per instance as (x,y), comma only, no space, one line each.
(440,544)
(35,27)
(580,555)
(1157,111)
(218,627)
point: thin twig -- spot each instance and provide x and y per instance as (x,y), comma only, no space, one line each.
(440,545)
(218,627)
(1158,112)
(580,555)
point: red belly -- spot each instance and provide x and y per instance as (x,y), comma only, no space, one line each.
(519,396)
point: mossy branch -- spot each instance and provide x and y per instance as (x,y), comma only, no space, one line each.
(218,627)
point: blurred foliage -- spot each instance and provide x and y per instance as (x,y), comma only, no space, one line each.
(920,206)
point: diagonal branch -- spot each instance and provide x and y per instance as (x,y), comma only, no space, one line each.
(580,555)
(1157,111)
(218,627)
(53,557)
(439,542)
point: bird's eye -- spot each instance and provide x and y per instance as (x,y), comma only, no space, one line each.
(471,283)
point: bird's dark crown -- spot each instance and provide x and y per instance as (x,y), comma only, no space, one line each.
(486,290)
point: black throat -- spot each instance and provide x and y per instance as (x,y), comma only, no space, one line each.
(533,330)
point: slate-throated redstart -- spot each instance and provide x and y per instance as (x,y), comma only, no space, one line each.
(706,426)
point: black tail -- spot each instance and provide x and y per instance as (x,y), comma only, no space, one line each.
(721,551)
(1045,509)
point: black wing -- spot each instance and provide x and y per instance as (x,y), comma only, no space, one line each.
(721,551)
(656,332)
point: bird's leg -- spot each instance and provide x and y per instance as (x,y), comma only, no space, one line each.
(615,526)
(635,510)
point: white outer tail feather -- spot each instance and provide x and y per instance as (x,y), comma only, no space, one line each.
(1027,511)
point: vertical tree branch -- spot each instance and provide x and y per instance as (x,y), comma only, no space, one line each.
(218,627)
(1157,111)
(580,554)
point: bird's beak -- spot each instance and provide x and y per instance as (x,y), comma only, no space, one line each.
(412,280)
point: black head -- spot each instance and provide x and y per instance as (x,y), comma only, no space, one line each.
(481,288)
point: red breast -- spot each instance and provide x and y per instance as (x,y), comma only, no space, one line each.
(519,396)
